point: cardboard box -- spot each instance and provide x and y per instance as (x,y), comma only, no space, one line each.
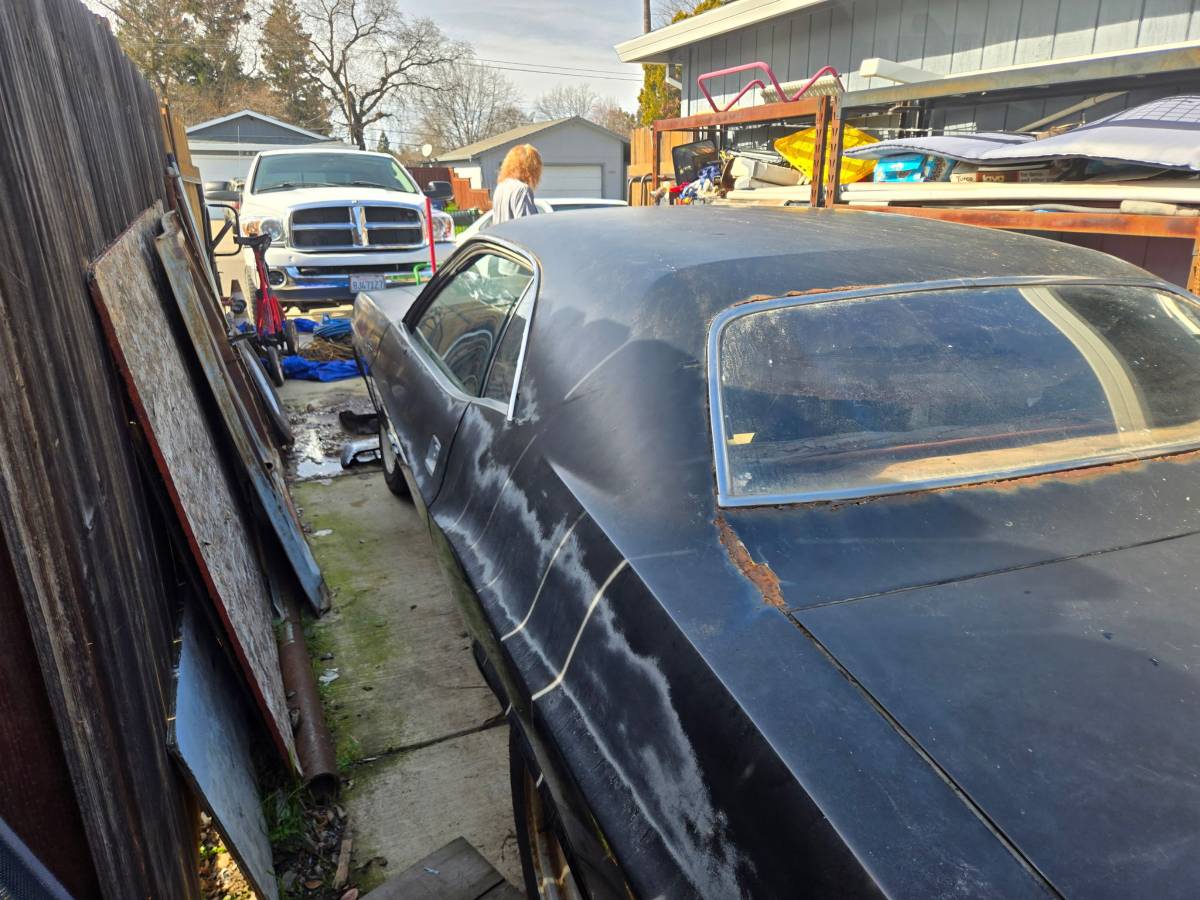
(745,167)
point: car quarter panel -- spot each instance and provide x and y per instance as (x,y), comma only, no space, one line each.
(659,673)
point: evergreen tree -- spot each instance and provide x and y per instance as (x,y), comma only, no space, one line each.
(383,145)
(214,58)
(657,99)
(290,69)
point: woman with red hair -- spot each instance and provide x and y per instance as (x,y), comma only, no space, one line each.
(519,175)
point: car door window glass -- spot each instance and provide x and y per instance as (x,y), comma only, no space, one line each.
(463,324)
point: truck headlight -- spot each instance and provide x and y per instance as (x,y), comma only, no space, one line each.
(256,225)
(443,227)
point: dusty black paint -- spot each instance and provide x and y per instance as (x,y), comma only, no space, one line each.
(721,746)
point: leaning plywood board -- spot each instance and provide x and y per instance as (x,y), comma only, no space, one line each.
(255,458)
(131,297)
(210,738)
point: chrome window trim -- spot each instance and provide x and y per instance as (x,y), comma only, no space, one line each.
(727,499)
(461,259)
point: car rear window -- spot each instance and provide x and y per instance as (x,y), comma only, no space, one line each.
(853,397)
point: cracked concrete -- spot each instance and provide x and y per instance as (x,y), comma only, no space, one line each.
(422,750)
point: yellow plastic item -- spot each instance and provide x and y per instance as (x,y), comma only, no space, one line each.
(798,150)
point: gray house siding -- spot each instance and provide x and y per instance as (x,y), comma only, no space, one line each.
(248,130)
(940,36)
(567,145)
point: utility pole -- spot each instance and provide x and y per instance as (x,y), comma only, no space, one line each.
(645,16)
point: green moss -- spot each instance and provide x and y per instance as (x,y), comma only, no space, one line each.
(355,632)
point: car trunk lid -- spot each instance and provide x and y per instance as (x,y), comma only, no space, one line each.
(1062,697)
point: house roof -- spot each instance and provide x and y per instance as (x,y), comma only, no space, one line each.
(470,151)
(656,46)
(262,118)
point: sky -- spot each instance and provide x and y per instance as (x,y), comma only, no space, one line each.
(563,35)
(536,44)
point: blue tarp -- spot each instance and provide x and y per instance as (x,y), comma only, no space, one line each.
(305,325)
(308,370)
(332,329)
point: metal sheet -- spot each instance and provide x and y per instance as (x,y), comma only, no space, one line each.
(951,146)
(1162,133)
(256,459)
(210,738)
(129,294)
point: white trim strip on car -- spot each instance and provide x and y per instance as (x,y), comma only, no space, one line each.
(579,634)
(545,575)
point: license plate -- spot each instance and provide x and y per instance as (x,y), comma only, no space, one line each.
(367,283)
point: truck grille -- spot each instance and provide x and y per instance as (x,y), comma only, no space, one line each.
(358,227)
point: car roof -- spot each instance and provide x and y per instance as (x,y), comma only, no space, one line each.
(292,151)
(636,267)
(580,201)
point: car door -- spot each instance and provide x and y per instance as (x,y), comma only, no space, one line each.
(443,349)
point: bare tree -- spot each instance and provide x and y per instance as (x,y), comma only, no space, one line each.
(368,52)
(469,103)
(608,113)
(667,11)
(565,101)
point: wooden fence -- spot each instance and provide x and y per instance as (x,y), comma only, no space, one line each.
(465,196)
(90,583)
(641,157)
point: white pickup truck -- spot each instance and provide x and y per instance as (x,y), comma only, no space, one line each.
(342,221)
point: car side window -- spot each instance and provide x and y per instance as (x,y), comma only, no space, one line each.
(462,326)
(504,369)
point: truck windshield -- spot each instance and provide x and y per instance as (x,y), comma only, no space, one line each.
(843,398)
(286,171)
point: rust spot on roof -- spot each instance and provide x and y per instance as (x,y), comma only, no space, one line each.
(811,291)
(759,574)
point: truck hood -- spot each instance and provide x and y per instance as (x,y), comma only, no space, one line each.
(1062,698)
(278,202)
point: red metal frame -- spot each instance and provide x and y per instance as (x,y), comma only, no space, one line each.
(268,314)
(758,82)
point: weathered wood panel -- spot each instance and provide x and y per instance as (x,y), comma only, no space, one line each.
(80,157)
(131,296)
(255,459)
(36,800)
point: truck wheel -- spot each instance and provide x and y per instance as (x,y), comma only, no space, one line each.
(547,873)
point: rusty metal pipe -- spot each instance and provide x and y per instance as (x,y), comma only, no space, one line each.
(314,743)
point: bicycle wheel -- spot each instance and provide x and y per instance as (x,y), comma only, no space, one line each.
(291,340)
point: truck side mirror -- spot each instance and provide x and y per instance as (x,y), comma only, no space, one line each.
(439,190)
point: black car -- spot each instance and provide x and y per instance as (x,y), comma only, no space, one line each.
(816,553)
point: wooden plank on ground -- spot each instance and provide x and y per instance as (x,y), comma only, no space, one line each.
(130,295)
(455,872)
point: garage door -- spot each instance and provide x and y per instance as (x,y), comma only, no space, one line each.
(222,168)
(571,181)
